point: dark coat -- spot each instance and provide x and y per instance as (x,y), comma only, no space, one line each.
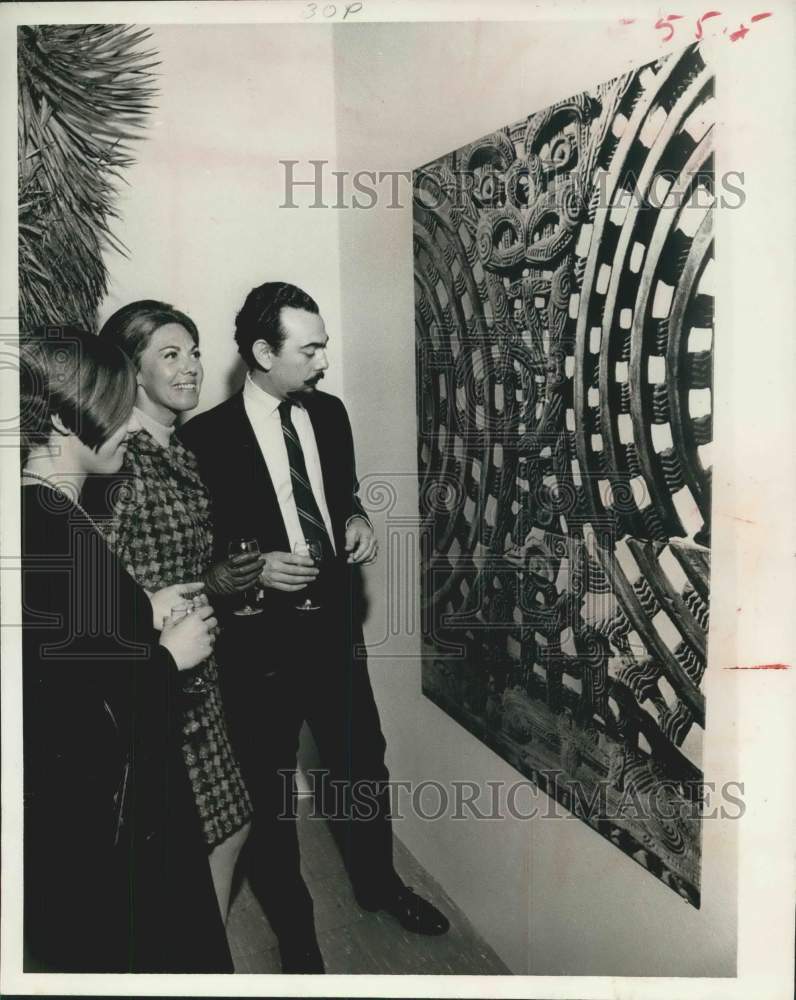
(101,716)
(244,504)
(233,469)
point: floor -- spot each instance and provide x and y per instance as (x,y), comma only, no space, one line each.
(352,940)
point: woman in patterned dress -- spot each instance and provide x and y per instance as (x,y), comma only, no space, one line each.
(161,530)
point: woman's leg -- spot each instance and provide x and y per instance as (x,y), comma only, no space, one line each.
(223,859)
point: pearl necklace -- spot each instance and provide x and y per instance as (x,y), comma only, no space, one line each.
(64,493)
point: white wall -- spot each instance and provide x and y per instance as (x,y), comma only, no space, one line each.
(551,896)
(201,217)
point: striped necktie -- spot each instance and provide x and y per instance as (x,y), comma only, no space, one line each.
(310,517)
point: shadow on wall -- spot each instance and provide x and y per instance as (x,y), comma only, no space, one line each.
(235,377)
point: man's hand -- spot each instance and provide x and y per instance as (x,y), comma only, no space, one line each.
(235,574)
(165,600)
(360,541)
(288,571)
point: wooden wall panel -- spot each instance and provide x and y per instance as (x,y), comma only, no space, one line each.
(564,320)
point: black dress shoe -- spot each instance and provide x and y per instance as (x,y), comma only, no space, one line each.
(412,912)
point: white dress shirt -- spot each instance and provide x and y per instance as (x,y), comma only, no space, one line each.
(262,409)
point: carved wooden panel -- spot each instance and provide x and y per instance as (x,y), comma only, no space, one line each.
(564,320)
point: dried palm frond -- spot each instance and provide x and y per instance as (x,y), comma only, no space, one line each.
(84,94)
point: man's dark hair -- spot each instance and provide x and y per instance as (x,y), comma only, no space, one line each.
(259,317)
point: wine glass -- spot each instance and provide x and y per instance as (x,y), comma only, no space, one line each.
(234,548)
(314,549)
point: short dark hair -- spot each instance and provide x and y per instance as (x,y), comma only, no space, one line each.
(87,382)
(259,319)
(132,326)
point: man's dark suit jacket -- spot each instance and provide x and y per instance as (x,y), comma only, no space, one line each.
(244,505)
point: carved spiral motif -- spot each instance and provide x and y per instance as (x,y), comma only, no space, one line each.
(622,498)
(442,496)
(522,183)
(489,190)
(669,831)
(500,238)
(562,152)
(483,241)
(591,648)
(560,498)
(570,206)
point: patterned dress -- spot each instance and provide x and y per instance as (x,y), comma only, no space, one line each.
(161,532)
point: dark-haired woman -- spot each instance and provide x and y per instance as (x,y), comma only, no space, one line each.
(116,876)
(161,530)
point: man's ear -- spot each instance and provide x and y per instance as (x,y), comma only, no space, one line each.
(263,354)
(59,425)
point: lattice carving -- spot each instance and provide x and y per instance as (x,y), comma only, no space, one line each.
(564,318)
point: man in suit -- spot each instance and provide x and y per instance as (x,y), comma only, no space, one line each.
(278,459)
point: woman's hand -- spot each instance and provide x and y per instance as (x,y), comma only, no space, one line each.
(166,600)
(190,640)
(235,574)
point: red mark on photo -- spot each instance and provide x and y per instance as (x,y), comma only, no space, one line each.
(742,32)
(760,17)
(710,13)
(627,20)
(735,517)
(662,24)
(763,666)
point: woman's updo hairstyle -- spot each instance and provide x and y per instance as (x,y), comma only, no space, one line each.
(132,326)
